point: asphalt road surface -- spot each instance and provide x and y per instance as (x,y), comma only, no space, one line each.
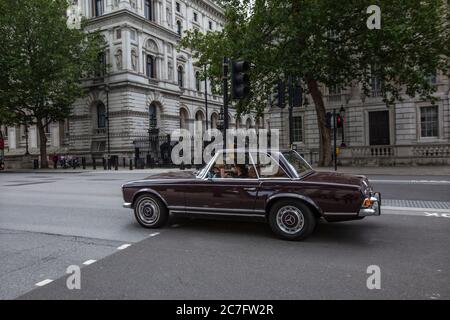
(51,221)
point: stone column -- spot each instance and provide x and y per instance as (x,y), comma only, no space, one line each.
(173,14)
(126,47)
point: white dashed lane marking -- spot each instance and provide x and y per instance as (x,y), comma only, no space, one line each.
(44,282)
(124,246)
(439,182)
(415,212)
(88,262)
(153,234)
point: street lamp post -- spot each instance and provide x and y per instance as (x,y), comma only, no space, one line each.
(107,126)
(342,114)
(27,152)
(152,131)
(206,97)
(226,62)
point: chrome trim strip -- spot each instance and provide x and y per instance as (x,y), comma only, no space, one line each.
(340,213)
(202,209)
(219,213)
(127,205)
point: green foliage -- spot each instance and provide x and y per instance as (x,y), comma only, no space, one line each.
(329,42)
(42,61)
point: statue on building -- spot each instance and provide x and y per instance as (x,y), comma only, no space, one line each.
(118,57)
(134,59)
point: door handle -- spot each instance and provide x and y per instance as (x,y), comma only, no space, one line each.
(250,189)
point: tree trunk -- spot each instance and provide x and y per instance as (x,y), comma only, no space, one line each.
(42,144)
(324,132)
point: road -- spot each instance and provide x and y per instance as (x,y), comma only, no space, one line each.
(49,221)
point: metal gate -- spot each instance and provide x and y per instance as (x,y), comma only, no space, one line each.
(153,151)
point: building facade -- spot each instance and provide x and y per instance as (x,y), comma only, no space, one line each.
(151,87)
(413,132)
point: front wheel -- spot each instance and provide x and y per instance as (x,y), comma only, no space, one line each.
(150,212)
(291,220)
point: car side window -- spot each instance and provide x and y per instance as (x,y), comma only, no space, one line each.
(232,165)
(268,166)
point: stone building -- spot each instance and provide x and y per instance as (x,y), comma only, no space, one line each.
(412,132)
(150,89)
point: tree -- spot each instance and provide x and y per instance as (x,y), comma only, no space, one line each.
(42,62)
(326,43)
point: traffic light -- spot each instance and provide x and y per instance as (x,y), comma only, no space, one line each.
(280,94)
(298,95)
(328,118)
(339,121)
(240,80)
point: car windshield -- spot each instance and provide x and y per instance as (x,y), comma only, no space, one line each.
(297,163)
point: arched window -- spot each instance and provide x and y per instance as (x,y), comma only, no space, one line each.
(151,66)
(179,28)
(199,121)
(197,81)
(214,118)
(181,76)
(248,123)
(183,119)
(238,122)
(148,9)
(152,114)
(101,115)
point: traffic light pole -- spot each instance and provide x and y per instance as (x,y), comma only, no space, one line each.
(225,100)
(334,138)
(206,98)
(291,111)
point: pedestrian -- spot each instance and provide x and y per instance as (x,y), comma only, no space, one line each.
(55,161)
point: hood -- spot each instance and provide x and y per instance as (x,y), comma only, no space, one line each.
(181,174)
(335,177)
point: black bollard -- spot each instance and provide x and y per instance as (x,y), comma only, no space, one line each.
(124,163)
(182,166)
(131,164)
(83,163)
(109,163)
(94,164)
(116,164)
(104,163)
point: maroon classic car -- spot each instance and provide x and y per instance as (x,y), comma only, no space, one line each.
(279,187)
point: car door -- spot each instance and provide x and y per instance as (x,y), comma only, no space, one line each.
(224,194)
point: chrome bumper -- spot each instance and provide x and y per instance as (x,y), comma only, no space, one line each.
(374,209)
(127,205)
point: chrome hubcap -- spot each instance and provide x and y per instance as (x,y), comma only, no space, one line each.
(290,219)
(148,211)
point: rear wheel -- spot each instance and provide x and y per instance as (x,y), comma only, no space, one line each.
(291,220)
(150,212)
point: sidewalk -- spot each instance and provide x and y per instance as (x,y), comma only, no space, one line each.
(388,171)
(91,170)
(393,171)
